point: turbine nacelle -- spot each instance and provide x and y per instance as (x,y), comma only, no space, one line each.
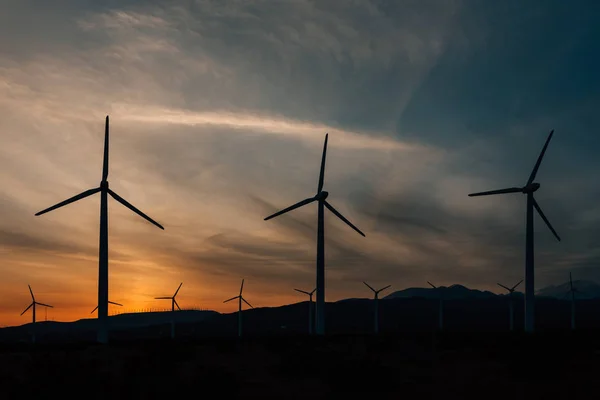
(532,187)
(322,195)
(104,185)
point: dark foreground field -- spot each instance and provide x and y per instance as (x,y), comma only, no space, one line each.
(482,366)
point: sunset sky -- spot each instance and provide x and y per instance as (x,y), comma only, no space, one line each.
(218,114)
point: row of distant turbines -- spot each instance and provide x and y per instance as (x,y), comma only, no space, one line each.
(321,199)
(572,290)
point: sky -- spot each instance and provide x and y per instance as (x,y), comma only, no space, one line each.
(218,113)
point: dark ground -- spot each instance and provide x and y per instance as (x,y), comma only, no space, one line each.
(560,365)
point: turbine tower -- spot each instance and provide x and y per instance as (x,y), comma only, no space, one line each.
(240,299)
(33,304)
(103,253)
(310,307)
(173,304)
(511,304)
(441,311)
(376,298)
(320,197)
(572,290)
(529,188)
(110,302)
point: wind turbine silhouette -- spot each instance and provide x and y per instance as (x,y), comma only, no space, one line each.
(511,304)
(529,188)
(240,299)
(110,302)
(441,310)
(310,307)
(572,290)
(103,253)
(173,304)
(376,298)
(33,304)
(320,197)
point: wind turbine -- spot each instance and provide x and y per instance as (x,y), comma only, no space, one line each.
(310,316)
(33,304)
(376,298)
(511,305)
(173,304)
(529,188)
(103,253)
(572,290)
(110,302)
(320,197)
(441,311)
(240,299)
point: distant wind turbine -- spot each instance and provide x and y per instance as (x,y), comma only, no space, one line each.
(33,304)
(103,253)
(240,299)
(310,309)
(572,290)
(110,302)
(173,304)
(320,197)
(376,298)
(441,311)
(529,188)
(510,303)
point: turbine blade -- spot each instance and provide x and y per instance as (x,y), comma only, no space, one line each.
(322,173)
(514,287)
(233,298)
(432,285)
(290,208)
(499,191)
(116,304)
(175,301)
(369,286)
(382,289)
(132,208)
(539,160)
(31,291)
(80,196)
(44,305)
(94,310)
(501,285)
(539,210)
(177,291)
(31,305)
(340,216)
(105,163)
(241,288)
(163,298)
(244,300)
(302,291)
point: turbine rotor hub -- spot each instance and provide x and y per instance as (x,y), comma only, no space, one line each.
(104,185)
(531,188)
(322,195)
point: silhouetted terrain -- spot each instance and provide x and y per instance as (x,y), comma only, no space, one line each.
(459,365)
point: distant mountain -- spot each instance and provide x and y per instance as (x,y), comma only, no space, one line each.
(588,290)
(450,293)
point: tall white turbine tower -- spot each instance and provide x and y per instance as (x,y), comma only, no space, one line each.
(33,304)
(240,299)
(376,299)
(320,198)
(511,303)
(310,308)
(103,254)
(529,188)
